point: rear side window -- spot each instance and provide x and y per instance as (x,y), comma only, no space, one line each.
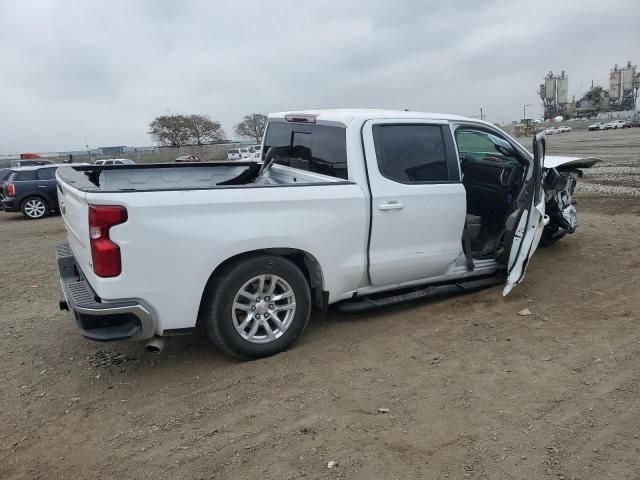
(46,174)
(413,153)
(4,174)
(313,148)
(25,176)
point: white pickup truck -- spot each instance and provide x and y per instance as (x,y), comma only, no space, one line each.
(362,207)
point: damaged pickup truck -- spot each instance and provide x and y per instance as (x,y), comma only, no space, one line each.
(359,208)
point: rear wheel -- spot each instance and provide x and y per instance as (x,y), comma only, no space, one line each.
(34,208)
(257,307)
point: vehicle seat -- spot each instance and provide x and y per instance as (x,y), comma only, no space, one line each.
(473,224)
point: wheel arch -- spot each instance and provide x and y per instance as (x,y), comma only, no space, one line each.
(35,195)
(306,262)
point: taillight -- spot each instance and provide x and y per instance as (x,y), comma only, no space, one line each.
(104,253)
(11,190)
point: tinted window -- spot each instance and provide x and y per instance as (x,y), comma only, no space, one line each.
(46,174)
(232,151)
(4,174)
(25,176)
(411,153)
(314,148)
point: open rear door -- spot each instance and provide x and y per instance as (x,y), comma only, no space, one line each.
(525,225)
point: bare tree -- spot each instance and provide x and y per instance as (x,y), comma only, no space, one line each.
(252,126)
(178,130)
(202,129)
(170,130)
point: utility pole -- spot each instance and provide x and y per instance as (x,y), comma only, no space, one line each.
(481,114)
(524,112)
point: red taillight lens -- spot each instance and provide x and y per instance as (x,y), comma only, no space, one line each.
(11,190)
(104,253)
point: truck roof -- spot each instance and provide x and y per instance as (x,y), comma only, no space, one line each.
(346,116)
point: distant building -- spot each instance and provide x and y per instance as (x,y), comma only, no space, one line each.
(113,151)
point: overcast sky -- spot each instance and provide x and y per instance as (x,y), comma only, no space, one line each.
(104,69)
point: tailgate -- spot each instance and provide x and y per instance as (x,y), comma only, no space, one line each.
(75,213)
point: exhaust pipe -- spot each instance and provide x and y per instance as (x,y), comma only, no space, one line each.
(155,345)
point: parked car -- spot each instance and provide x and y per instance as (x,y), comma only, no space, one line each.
(29,163)
(32,191)
(564,129)
(245,153)
(615,124)
(114,161)
(188,159)
(632,122)
(233,154)
(552,131)
(597,126)
(349,218)
(255,151)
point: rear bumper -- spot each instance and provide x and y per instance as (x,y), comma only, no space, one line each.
(9,204)
(98,320)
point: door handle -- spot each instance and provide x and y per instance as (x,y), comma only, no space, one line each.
(391,206)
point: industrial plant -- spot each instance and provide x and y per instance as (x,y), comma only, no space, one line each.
(622,95)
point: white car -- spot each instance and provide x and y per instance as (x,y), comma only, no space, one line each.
(564,129)
(233,154)
(256,151)
(114,161)
(360,208)
(597,126)
(615,124)
(552,131)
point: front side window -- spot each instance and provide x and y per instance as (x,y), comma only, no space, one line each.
(479,145)
(313,148)
(412,153)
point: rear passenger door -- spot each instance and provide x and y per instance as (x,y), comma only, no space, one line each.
(418,203)
(46,184)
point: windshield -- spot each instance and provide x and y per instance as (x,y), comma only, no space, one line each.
(233,151)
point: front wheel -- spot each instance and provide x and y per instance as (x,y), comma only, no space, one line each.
(257,307)
(34,208)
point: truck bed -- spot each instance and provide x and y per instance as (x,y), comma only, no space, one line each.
(169,176)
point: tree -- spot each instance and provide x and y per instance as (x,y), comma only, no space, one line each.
(252,126)
(202,129)
(178,130)
(170,130)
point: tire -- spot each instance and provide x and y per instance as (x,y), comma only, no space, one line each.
(34,208)
(239,325)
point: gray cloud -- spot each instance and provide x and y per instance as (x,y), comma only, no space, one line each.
(104,69)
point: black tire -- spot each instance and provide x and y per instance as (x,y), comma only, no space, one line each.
(216,314)
(34,208)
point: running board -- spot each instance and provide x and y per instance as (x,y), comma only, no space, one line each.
(368,303)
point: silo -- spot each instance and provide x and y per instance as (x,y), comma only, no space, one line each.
(563,88)
(615,83)
(628,74)
(550,87)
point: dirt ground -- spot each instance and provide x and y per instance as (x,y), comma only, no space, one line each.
(472,388)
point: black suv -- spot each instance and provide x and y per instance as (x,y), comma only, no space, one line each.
(31,190)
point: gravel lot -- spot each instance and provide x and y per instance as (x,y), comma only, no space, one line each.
(458,388)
